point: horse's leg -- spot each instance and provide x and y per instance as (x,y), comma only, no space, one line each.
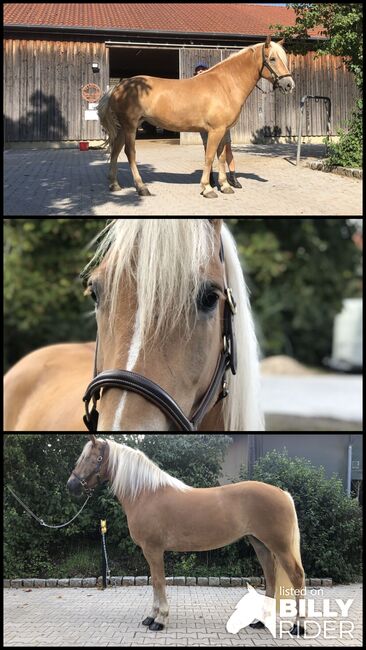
(131,155)
(160,612)
(116,148)
(223,182)
(296,575)
(266,561)
(149,620)
(214,138)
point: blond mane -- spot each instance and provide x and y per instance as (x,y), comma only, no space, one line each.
(132,473)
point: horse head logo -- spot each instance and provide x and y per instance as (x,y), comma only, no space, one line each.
(252,606)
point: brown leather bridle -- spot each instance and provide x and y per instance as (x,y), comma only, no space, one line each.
(275,77)
(152,392)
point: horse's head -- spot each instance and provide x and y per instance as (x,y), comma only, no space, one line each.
(165,320)
(91,468)
(274,66)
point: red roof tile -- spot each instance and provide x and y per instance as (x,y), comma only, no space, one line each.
(232,18)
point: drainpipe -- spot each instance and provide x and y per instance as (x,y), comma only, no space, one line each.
(251,455)
(349,467)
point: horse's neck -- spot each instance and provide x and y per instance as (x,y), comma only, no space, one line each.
(246,75)
(214,420)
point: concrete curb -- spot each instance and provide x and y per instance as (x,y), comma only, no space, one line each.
(334,169)
(140,581)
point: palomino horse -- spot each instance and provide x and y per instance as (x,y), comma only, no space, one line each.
(210,102)
(164,292)
(164,514)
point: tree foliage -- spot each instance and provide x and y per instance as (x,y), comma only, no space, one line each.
(341,28)
(43,295)
(300,270)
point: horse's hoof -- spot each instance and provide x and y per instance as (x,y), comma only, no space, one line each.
(148,621)
(226,189)
(156,627)
(209,195)
(143,191)
(114,187)
(257,626)
(297,630)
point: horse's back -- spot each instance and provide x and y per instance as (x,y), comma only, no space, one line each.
(42,392)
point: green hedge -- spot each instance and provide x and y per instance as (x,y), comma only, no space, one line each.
(330,522)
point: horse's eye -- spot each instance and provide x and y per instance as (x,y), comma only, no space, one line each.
(92,291)
(207,299)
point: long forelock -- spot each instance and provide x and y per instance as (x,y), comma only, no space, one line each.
(131,472)
(166,260)
(280,52)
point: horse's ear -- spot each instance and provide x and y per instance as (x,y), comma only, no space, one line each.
(217,224)
(93,439)
(268,40)
(281,42)
(249,587)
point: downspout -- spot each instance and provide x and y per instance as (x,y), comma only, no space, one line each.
(349,467)
(251,455)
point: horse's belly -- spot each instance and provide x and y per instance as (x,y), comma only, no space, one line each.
(173,123)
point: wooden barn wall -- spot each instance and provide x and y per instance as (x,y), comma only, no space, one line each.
(276,115)
(42,89)
(43,81)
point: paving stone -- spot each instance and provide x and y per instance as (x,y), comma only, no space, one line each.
(67,182)
(54,617)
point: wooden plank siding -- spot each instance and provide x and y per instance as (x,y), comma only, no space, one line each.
(42,89)
(43,78)
(271,117)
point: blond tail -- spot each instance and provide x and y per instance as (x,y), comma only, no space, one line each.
(283,582)
(107,117)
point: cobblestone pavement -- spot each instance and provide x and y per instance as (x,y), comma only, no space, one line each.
(56,182)
(198,617)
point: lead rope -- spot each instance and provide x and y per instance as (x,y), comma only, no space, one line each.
(41,521)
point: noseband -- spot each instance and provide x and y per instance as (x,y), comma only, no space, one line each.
(96,471)
(152,392)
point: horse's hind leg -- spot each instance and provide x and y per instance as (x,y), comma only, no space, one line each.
(296,575)
(266,561)
(116,148)
(131,155)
